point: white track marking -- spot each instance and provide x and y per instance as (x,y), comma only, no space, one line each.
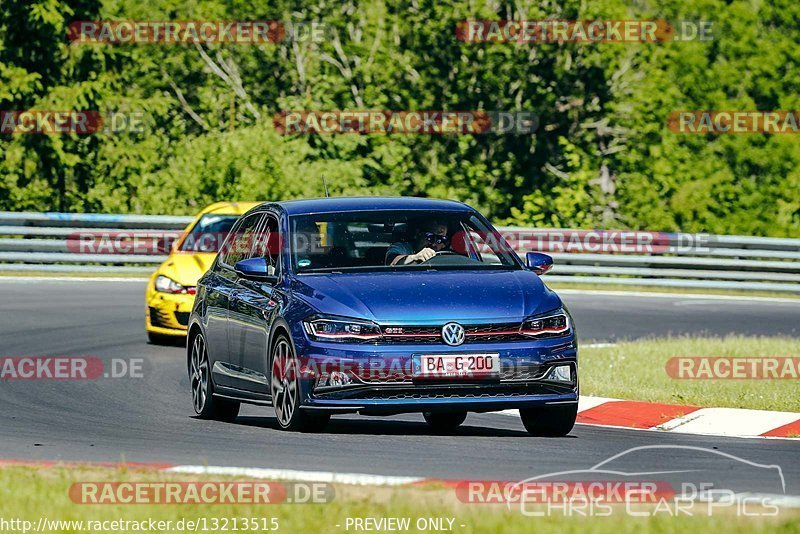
(729,422)
(360,479)
(701,296)
(784,501)
(584,403)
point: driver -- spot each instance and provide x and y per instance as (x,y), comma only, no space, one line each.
(430,238)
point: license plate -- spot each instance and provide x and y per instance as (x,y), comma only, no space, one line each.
(457,366)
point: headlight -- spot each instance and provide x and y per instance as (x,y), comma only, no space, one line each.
(168,285)
(341,329)
(554,324)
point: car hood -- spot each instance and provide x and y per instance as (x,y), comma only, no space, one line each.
(422,297)
(186,268)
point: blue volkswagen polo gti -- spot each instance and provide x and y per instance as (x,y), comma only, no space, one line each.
(379,306)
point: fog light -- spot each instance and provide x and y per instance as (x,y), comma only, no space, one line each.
(561,373)
(334,379)
(338,378)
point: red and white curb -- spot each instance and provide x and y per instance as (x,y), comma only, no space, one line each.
(728,422)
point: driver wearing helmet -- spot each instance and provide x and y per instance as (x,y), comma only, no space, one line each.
(429,239)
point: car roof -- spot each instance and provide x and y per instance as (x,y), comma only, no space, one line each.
(337,204)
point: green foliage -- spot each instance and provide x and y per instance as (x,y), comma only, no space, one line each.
(602,156)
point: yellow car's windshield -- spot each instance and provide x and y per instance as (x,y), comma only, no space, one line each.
(209,233)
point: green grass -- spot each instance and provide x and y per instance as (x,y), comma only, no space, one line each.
(29,493)
(636,370)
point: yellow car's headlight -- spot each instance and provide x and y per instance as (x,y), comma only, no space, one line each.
(165,284)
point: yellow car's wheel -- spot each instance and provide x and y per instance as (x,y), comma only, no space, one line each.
(162,339)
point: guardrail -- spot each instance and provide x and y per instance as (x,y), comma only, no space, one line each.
(41,242)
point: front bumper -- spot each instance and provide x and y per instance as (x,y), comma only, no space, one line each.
(167,313)
(524,379)
(477,398)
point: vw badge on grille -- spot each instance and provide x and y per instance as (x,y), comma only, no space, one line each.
(453,334)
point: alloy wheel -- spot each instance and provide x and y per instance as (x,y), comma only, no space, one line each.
(284,382)
(199,373)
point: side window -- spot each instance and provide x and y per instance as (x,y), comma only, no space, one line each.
(268,244)
(240,243)
(473,241)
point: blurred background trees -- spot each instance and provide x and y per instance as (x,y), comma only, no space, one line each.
(602,156)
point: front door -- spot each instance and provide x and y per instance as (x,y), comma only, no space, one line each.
(252,311)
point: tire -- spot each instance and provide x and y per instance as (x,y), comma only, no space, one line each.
(549,421)
(285,391)
(444,421)
(160,339)
(206,406)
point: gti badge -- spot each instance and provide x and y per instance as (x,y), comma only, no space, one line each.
(453,334)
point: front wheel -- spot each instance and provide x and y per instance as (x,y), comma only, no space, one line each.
(203,400)
(549,421)
(285,390)
(444,421)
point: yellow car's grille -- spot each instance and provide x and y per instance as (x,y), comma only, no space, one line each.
(163,319)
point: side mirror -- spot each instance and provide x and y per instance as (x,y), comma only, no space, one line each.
(255,269)
(538,262)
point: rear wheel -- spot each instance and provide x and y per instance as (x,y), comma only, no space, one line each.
(444,421)
(285,390)
(549,421)
(203,400)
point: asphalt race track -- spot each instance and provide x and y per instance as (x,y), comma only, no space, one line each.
(150,419)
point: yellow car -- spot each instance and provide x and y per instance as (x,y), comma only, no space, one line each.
(170,292)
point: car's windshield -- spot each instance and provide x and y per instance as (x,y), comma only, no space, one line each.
(209,233)
(403,239)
